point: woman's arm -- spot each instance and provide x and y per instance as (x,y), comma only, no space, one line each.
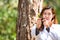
(33,32)
(55,32)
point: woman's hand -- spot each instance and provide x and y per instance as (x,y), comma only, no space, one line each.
(47,23)
(38,23)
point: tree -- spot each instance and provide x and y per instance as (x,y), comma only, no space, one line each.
(23,20)
(22,26)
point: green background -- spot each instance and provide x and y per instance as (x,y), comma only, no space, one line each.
(8,17)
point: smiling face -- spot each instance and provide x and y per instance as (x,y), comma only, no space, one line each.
(47,14)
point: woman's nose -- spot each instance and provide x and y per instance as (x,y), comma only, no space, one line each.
(47,16)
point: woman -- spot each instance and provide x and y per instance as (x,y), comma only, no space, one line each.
(46,27)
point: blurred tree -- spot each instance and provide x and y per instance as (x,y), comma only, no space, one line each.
(23,22)
(22,26)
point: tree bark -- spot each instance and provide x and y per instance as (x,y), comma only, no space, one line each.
(24,20)
(22,26)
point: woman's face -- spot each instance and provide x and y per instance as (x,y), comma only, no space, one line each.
(47,14)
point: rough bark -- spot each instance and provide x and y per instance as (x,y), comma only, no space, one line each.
(22,26)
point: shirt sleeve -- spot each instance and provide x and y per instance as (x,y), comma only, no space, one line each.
(55,31)
(58,31)
(33,31)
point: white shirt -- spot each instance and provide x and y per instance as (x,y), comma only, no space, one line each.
(54,33)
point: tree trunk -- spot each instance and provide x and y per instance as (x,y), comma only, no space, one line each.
(24,20)
(37,6)
(22,26)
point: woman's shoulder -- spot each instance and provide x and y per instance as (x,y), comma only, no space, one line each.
(34,27)
(56,26)
(57,29)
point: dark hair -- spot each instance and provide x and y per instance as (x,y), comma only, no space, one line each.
(53,11)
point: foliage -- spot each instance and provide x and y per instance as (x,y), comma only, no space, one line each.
(8,16)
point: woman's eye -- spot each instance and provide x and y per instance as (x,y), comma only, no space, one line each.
(44,13)
(49,13)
